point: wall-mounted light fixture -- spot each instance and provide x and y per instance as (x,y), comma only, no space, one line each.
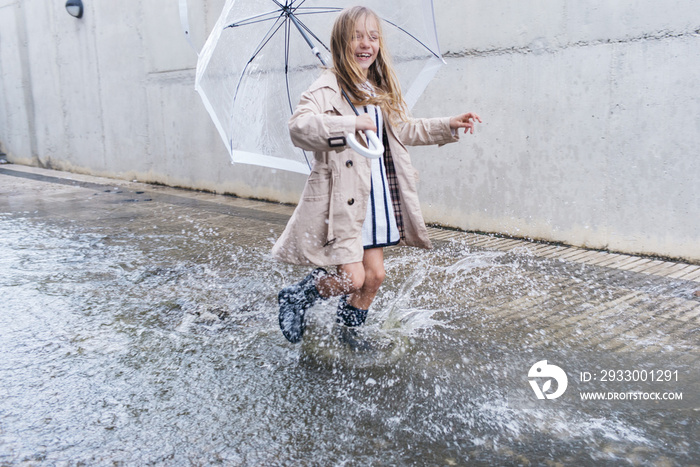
(75,8)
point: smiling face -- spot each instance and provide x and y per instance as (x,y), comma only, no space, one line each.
(360,55)
(365,42)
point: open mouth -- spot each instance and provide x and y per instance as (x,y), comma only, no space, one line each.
(363,55)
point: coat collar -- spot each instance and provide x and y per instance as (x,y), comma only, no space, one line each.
(329,81)
(326,80)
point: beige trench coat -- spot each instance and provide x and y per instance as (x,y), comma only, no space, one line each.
(325,228)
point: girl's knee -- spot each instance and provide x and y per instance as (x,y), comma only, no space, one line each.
(353,279)
(357,282)
(374,278)
(359,277)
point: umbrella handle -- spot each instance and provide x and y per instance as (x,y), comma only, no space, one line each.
(375,150)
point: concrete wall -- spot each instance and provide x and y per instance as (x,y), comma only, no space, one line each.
(591,113)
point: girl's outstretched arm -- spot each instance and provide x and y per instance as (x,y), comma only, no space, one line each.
(426,131)
(466,121)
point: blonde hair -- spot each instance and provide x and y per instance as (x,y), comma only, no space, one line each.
(381,73)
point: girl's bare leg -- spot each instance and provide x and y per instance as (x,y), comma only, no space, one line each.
(353,307)
(373,264)
(349,279)
(359,280)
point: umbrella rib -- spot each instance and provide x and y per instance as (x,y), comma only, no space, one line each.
(249,22)
(414,38)
(258,19)
(314,10)
(268,36)
(306,28)
(321,9)
(287,31)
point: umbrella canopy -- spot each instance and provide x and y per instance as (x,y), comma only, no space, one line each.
(257,61)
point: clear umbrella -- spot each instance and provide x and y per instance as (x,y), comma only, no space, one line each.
(262,54)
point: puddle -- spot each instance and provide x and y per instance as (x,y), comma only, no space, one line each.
(143,334)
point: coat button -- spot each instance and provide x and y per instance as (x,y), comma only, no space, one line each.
(348,164)
(351,201)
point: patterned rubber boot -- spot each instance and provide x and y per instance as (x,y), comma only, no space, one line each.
(294,301)
(350,315)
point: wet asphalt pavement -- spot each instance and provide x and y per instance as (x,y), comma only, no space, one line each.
(140,327)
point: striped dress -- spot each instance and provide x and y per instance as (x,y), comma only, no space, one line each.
(379,228)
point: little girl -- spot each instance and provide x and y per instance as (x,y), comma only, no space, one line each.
(352,207)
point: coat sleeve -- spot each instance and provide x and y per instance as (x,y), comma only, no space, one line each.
(423,131)
(318,129)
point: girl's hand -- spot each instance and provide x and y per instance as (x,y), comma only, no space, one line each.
(466,121)
(365,122)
